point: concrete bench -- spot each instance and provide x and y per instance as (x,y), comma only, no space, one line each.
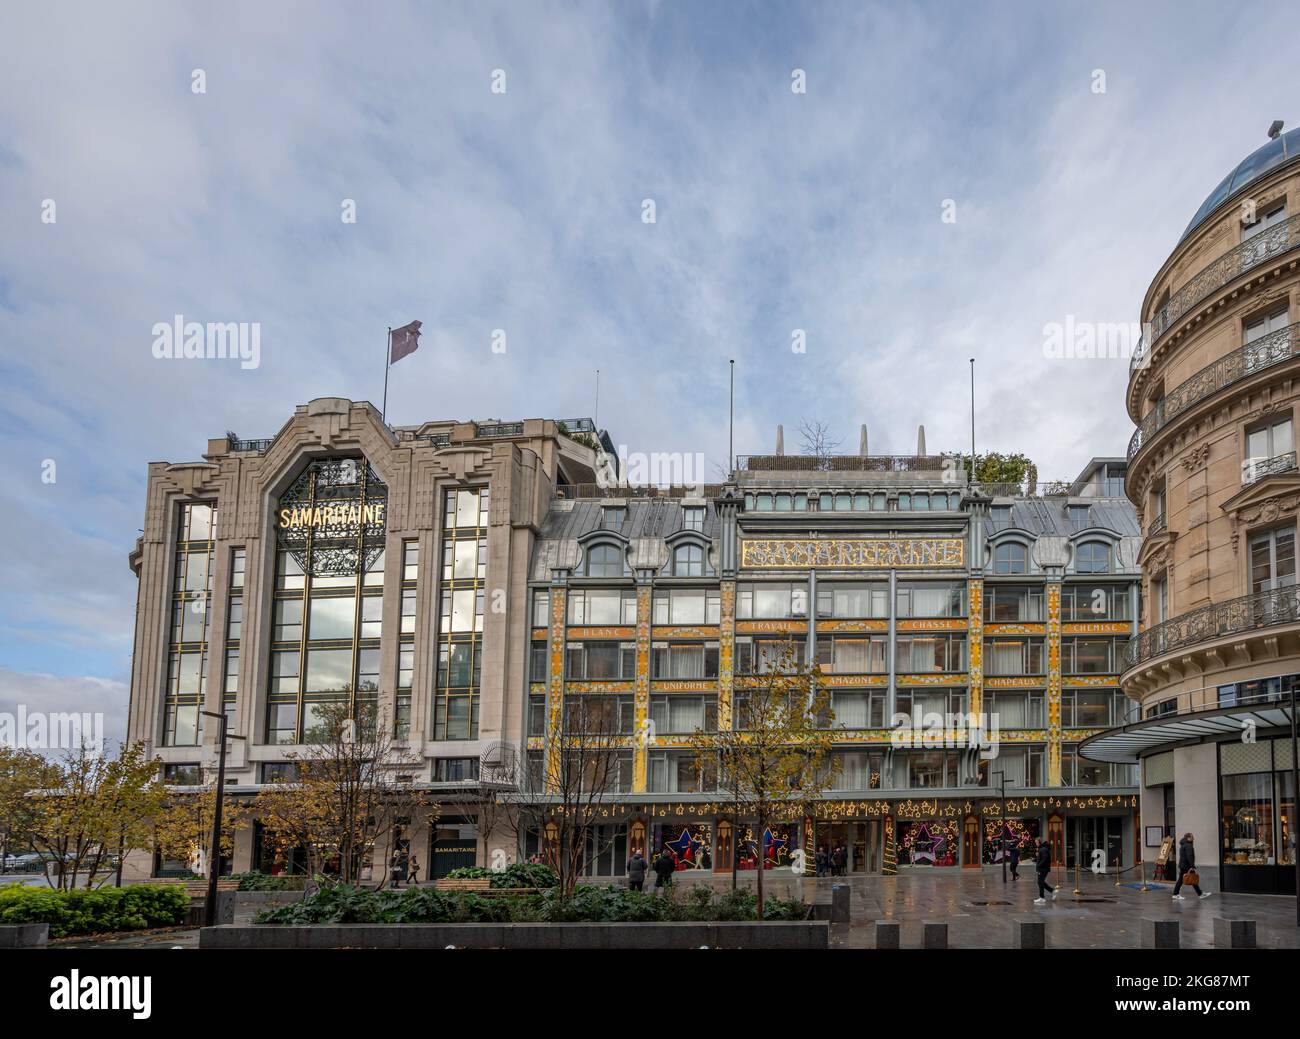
(1028,934)
(1159,934)
(464,884)
(1233,934)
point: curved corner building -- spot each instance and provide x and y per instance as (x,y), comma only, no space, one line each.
(1212,473)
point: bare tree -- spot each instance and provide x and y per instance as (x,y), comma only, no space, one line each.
(817,441)
(586,764)
(353,786)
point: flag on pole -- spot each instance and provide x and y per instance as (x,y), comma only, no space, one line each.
(403,341)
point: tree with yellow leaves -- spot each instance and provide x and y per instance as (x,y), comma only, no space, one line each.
(775,761)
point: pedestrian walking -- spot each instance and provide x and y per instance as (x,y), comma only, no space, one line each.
(1013,855)
(840,860)
(823,861)
(1043,866)
(1187,873)
(636,869)
(414,871)
(665,867)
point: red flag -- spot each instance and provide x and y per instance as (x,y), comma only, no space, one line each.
(403,341)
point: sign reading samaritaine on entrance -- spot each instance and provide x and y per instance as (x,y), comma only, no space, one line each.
(853,553)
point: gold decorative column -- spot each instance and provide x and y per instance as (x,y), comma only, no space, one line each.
(726,654)
(975,642)
(1054,683)
(641,705)
(555,685)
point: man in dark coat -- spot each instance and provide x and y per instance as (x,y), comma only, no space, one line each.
(636,870)
(1012,854)
(665,867)
(1186,861)
(1043,866)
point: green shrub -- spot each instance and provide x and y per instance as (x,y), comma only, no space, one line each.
(517,874)
(255,880)
(592,903)
(95,911)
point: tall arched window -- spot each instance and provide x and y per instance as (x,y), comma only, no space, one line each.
(604,561)
(688,561)
(1010,558)
(1092,557)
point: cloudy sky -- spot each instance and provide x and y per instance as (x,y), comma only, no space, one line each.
(477,210)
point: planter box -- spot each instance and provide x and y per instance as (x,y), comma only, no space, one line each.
(24,936)
(803,934)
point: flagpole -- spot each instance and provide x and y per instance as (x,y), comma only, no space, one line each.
(388,345)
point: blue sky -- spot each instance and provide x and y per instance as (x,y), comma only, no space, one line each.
(522,211)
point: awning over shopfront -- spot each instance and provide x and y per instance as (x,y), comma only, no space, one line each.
(1126,744)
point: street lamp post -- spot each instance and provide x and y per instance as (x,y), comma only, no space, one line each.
(210,905)
(1002,783)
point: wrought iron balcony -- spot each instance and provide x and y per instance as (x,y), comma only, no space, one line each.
(1242,363)
(1266,609)
(1158,526)
(1255,469)
(1253,252)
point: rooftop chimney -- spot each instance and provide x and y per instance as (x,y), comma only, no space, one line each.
(862,441)
(920,441)
(780,440)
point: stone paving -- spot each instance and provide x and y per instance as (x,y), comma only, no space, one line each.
(1103,916)
(977,906)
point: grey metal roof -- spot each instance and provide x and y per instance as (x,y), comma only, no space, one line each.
(1050,516)
(646,517)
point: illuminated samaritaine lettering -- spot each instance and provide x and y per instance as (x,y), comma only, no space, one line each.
(331,515)
(853,553)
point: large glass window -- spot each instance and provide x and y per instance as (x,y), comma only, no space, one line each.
(932,599)
(771,600)
(852,601)
(675,714)
(191,619)
(687,606)
(1087,656)
(684,660)
(849,655)
(688,561)
(600,660)
(1009,657)
(918,654)
(592,606)
(1089,602)
(1009,603)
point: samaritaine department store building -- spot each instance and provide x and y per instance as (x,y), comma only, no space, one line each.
(476,579)
(1212,473)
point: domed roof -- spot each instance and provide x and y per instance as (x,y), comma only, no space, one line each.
(1284,148)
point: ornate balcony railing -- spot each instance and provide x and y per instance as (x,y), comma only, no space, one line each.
(595,490)
(1242,363)
(1157,526)
(234,444)
(1253,252)
(1255,469)
(1235,616)
(499,429)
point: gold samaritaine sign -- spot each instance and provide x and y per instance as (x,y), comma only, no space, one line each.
(853,553)
(333,514)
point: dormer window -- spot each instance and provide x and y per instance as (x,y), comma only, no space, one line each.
(1010,558)
(605,561)
(1000,513)
(1092,557)
(1078,515)
(612,517)
(693,518)
(688,561)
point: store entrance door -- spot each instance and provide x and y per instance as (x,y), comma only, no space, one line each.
(1092,833)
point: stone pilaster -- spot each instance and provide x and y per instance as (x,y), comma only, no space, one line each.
(641,687)
(1054,731)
